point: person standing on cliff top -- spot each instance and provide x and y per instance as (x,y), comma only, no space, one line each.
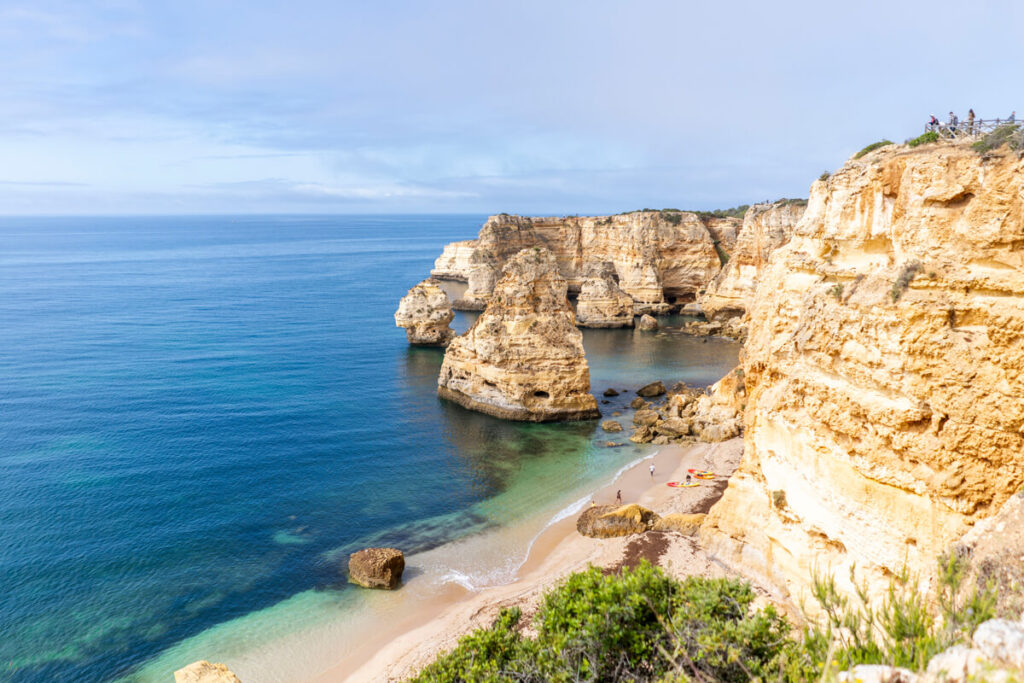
(1013,116)
(970,121)
(953,121)
(934,123)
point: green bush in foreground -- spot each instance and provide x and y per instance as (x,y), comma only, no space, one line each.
(930,136)
(639,625)
(642,625)
(872,147)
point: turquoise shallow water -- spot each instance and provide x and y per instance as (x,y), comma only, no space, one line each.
(200,417)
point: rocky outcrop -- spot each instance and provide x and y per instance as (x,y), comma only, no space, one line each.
(611,426)
(607,521)
(650,390)
(661,258)
(454,263)
(766,227)
(523,357)
(376,567)
(885,371)
(601,303)
(425,313)
(205,672)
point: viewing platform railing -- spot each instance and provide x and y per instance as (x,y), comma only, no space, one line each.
(966,129)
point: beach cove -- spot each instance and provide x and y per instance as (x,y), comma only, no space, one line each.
(227,411)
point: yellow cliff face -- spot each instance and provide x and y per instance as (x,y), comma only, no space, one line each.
(766,227)
(885,370)
(658,257)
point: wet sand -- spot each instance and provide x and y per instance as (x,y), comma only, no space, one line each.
(403,648)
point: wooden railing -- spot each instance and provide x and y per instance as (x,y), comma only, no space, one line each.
(969,129)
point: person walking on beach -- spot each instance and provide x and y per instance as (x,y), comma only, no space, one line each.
(652,470)
(687,479)
(618,497)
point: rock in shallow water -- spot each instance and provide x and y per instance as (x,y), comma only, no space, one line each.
(611,426)
(647,323)
(205,672)
(651,390)
(376,567)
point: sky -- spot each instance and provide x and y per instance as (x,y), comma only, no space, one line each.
(550,107)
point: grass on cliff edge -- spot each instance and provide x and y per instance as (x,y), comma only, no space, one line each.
(872,147)
(641,625)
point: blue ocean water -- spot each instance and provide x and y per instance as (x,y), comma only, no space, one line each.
(199,416)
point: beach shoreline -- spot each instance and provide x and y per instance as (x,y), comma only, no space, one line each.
(399,652)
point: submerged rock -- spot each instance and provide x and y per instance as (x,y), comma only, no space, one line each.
(376,567)
(205,672)
(606,521)
(601,303)
(425,313)
(610,392)
(611,426)
(523,358)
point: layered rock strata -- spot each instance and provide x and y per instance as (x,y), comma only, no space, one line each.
(766,227)
(425,313)
(885,371)
(454,263)
(523,357)
(661,258)
(601,303)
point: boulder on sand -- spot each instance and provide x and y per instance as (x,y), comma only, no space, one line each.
(376,567)
(606,521)
(688,525)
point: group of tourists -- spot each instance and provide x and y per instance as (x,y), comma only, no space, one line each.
(953,125)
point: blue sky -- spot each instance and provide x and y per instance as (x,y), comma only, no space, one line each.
(477,107)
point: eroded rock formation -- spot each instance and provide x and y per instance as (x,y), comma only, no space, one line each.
(523,357)
(425,313)
(661,258)
(885,371)
(607,521)
(766,227)
(601,303)
(454,261)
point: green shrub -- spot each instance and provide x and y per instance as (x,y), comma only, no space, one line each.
(904,279)
(836,290)
(1010,134)
(872,147)
(825,175)
(640,625)
(929,137)
(900,631)
(723,255)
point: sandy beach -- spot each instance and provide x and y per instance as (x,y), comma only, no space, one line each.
(396,654)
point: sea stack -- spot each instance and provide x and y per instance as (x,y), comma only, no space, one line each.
(425,313)
(601,302)
(523,358)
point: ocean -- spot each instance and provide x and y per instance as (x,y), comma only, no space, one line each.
(200,417)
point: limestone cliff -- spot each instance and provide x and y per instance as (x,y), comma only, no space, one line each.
(885,371)
(601,303)
(661,258)
(454,261)
(425,313)
(766,227)
(523,357)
